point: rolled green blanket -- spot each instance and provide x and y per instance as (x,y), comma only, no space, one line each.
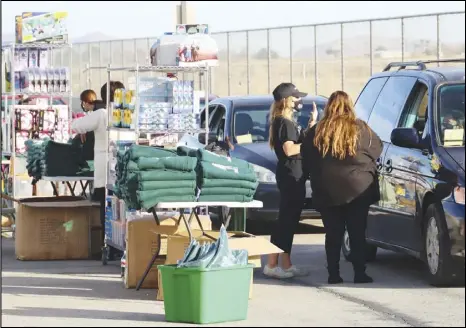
(185,164)
(217,171)
(137,151)
(164,175)
(208,156)
(186,151)
(212,183)
(156,185)
(225,198)
(227,191)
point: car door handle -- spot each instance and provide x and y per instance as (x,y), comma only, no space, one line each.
(389,166)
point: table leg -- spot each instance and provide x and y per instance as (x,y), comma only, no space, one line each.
(84,187)
(71,188)
(55,190)
(154,257)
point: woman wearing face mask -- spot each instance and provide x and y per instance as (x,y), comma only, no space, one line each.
(96,122)
(285,138)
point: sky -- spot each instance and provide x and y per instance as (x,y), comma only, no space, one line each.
(137,19)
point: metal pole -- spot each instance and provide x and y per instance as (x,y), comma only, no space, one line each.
(100,64)
(316,75)
(402,39)
(342,62)
(248,80)
(228,67)
(371,53)
(291,55)
(438,39)
(89,64)
(269,71)
(206,76)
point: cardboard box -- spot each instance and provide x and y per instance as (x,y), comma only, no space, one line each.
(142,242)
(256,247)
(53,228)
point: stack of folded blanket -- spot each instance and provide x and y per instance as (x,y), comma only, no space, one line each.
(224,179)
(147,176)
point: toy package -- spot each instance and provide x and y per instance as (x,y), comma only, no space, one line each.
(43,59)
(41,26)
(21,138)
(33,57)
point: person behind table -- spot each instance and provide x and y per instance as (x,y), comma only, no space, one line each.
(339,156)
(96,121)
(285,138)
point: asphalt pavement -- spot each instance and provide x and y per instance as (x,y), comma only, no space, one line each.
(85,293)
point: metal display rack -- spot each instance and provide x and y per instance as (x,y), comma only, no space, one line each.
(10,109)
(202,71)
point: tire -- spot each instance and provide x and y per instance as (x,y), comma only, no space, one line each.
(104,255)
(440,266)
(371,250)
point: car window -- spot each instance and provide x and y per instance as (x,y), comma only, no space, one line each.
(390,103)
(212,109)
(251,123)
(368,96)
(414,114)
(450,115)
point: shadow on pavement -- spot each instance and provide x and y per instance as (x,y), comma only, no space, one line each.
(390,271)
(66,286)
(79,313)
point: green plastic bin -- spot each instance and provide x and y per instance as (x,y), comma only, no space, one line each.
(196,295)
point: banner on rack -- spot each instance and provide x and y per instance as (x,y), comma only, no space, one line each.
(190,46)
(42,27)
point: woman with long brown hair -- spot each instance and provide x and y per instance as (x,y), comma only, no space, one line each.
(285,138)
(339,156)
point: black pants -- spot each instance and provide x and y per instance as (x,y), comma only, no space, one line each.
(99,196)
(354,217)
(292,196)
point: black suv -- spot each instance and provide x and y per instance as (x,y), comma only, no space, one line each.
(418,112)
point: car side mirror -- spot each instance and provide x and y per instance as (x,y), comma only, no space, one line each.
(212,138)
(406,138)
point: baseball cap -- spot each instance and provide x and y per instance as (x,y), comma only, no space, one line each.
(285,90)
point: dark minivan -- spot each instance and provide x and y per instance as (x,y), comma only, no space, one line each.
(418,112)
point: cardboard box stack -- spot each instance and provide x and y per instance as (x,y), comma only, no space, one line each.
(54,228)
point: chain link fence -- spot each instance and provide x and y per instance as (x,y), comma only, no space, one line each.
(317,58)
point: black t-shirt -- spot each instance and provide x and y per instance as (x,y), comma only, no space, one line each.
(286,130)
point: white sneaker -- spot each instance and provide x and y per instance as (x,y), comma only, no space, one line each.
(298,272)
(277,273)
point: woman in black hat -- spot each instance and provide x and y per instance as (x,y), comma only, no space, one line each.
(285,138)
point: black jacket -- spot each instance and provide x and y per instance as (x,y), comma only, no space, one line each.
(87,148)
(337,182)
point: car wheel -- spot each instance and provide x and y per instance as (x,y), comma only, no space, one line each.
(437,251)
(371,250)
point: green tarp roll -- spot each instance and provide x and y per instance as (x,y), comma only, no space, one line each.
(155,185)
(164,175)
(212,183)
(184,164)
(210,157)
(137,151)
(227,191)
(217,171)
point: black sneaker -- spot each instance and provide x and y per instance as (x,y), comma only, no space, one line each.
(362,279)
(335,279)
